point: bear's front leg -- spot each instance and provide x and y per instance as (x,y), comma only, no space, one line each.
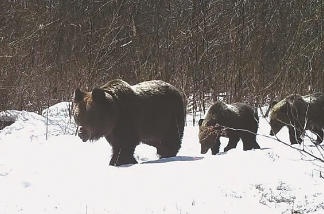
(215,147)
(294,136)
(83,134)
(122,156)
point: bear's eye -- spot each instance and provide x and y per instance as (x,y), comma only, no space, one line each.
(211,123)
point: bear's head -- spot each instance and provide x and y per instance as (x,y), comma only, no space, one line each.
(290,112)
(95,112)
(208,132)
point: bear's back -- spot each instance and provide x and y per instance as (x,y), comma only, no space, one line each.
(161,104)
(235,115)
(222,114)
(315,107)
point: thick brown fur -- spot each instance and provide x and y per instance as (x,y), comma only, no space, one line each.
(151,112)
(299,113)
(235,121)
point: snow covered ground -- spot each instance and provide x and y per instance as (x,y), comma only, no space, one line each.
(58,173)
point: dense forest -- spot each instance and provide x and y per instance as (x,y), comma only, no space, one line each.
(239,50)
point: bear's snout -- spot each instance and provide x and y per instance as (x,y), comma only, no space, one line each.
(83,134)
(204,149)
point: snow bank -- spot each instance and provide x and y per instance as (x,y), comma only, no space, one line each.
(65,175)
(31,126)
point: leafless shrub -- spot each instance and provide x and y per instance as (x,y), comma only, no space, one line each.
(239,51)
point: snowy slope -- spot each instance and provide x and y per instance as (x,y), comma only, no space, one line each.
(64,175)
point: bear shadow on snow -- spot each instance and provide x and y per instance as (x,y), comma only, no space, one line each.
(172,159)
(299,113)
(151,112)
(235,121)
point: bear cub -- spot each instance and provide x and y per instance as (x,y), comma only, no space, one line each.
(151,112)
(235,121)
(299,113)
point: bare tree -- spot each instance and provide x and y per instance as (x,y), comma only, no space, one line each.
(250,51)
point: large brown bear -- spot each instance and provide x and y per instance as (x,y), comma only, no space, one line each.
(151,112)
(299,113)
(236,121)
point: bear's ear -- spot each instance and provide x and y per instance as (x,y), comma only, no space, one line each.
(289,103)
(78,95)
(98,95)
(200,122)
(273,103)
(288,107)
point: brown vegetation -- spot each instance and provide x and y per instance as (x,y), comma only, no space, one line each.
(251,51)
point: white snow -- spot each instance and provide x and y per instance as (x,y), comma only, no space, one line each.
(45,168)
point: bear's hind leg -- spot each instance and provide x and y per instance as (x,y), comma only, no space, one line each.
(169,148)
(294,136)
(319,134)
(255,145)
(171,141)
(249,141)
(232,143)
(170,144)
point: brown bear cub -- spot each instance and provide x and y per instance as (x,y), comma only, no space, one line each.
(299,113)
(235,121)
(151,112)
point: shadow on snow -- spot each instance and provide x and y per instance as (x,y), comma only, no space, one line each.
(166,160)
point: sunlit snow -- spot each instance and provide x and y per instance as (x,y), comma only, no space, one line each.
(45,168)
